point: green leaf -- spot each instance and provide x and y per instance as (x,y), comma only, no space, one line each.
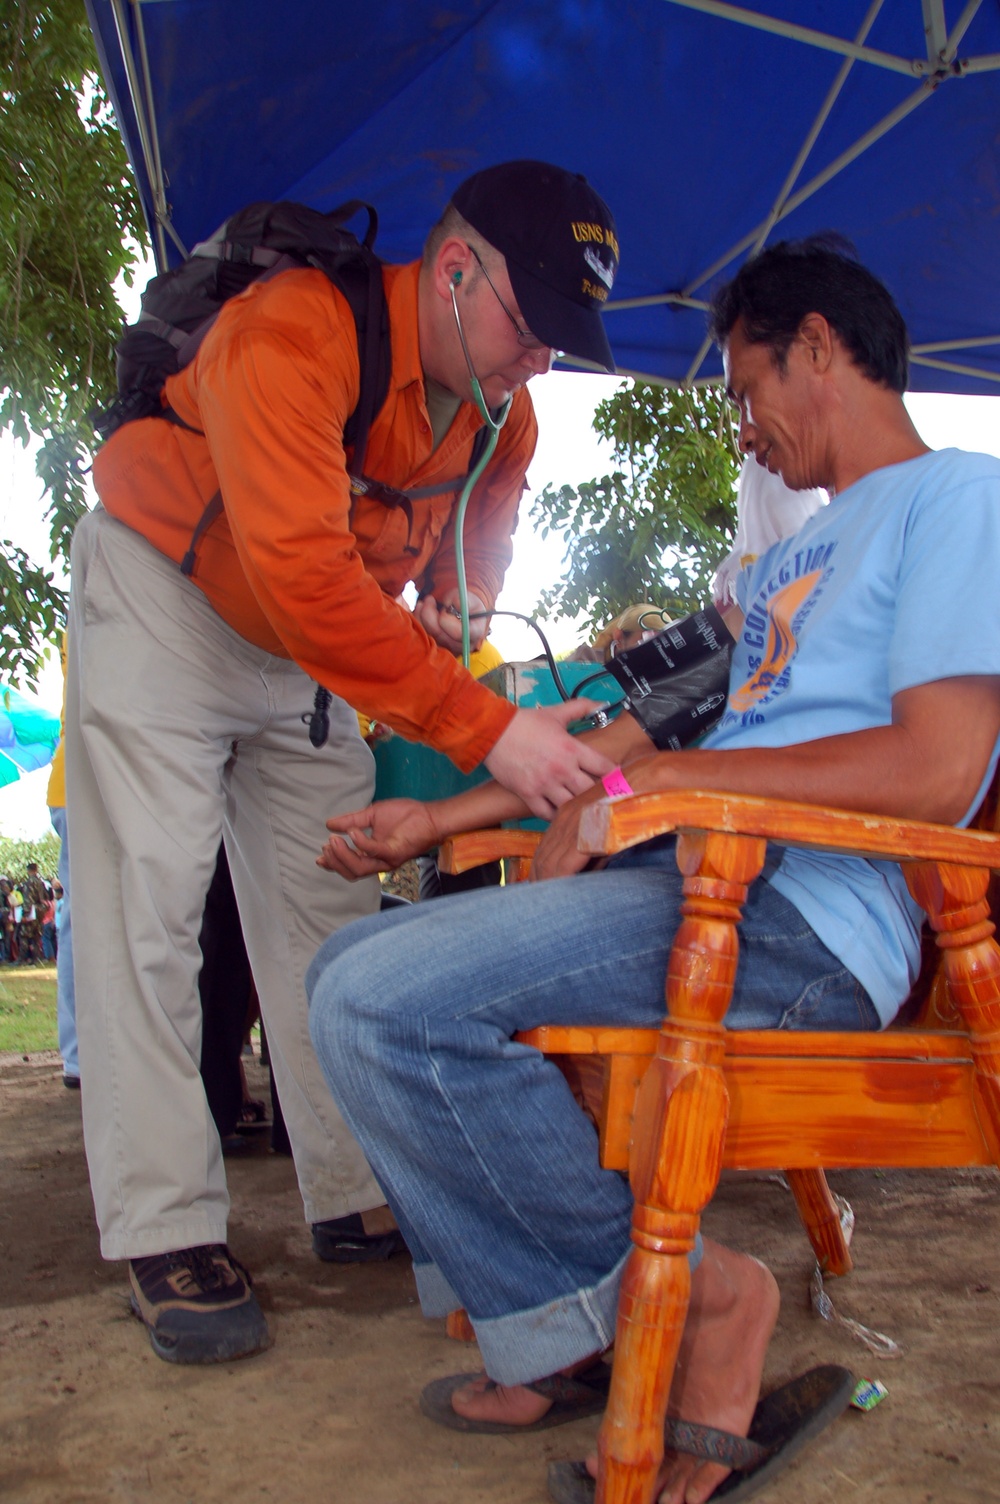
(658,527)
(70,224)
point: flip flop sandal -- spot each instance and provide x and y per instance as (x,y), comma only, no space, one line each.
(783,1423)
(252,1118)
(235,1145)
(585,1394)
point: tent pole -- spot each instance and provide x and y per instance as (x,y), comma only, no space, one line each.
(988,63)
(811,37)
(160,188)
(960,28)
(791,176)
(757,236)
(654,300)
(947,365)
(955,344)
(880,129)
(877,131)
(142,104)
(810,140)
(935,29)
(160,246)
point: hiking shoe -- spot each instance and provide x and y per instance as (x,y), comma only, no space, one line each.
(343,1240)
(197,1305)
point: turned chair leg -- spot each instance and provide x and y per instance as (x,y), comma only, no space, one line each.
(675,1160)
(821,1218)
(459,1327)
(957,906)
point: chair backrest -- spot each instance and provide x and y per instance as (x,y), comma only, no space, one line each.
(930,1004)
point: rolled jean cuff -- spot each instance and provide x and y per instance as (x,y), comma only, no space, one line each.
(436,1296)
(529,1345)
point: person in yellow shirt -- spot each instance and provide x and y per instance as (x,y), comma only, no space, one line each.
(65,986)
(433,882)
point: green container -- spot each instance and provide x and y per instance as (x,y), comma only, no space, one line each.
(408,770)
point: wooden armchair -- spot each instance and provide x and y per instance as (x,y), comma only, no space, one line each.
(675,1106)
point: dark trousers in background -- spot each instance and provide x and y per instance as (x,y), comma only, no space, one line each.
(226,988)
(225,985)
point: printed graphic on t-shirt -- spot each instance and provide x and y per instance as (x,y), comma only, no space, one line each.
(771,632)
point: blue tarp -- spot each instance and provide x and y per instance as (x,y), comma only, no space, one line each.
(28,735)
(694,122)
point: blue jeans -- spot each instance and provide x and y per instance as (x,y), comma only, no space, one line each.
(483,1154)
(65,985)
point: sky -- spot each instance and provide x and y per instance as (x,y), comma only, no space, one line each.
(568,452)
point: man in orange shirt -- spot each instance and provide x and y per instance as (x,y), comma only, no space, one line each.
(186,696)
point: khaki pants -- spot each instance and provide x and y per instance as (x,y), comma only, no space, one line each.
(179,731)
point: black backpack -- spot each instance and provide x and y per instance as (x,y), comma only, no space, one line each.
(180,306)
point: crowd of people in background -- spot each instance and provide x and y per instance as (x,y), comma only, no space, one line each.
(30,913)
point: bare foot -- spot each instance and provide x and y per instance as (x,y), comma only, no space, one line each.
(512,1404)
(378,1219)
(733,1310)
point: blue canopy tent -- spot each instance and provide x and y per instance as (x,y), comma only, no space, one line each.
(711,128)
(29,735)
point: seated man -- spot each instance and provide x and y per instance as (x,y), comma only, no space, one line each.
(866,675)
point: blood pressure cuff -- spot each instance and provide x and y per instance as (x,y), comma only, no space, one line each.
(676,685)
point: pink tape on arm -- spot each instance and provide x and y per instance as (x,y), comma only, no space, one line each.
(616,785)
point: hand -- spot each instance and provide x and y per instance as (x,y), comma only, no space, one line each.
(382,837)
(445,627)
(557,854)
(538,760)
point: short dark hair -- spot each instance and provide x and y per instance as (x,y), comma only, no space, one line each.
(452,223)
(773,292)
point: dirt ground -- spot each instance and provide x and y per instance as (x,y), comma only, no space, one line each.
(88,1414)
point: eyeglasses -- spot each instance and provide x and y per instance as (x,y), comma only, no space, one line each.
(525,339)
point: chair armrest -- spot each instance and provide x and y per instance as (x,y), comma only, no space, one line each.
(614,824)
(475,847)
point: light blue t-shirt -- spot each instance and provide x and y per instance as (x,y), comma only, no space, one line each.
(895,583)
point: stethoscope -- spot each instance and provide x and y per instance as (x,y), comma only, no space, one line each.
(318,720)
(494,423)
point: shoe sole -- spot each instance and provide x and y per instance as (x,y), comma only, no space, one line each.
(435,1403)
(198,1340)
(372,1250)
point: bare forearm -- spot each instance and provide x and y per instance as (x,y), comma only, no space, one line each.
(926,765)
(491,804)
(882,771)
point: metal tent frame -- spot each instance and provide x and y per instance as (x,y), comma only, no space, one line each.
(942,65)
(136,70)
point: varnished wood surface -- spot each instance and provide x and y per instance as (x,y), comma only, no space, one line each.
(820,1216)
(458,1327)
(473,848)
(890,1044)
(676,1105)
(613,824)
(795,1112)
(852,1116)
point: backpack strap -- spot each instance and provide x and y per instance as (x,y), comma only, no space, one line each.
(389,496)
(361,485)
(188,345)
(213,510)
(372,359)
(364,414)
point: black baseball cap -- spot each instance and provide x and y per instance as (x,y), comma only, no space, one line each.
(559,240)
